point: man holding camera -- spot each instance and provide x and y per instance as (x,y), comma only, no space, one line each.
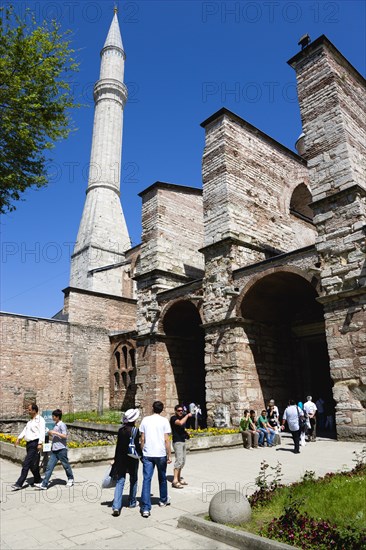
(178,424)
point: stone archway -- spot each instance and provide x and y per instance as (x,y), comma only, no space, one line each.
(284,326)
(185,345)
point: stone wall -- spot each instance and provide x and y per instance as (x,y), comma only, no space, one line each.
(332,104)
(249,179)
(172,230)
(346,336)
(54,363)
(172,235)
(99,310)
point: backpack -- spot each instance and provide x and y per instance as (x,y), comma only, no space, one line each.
(132,452)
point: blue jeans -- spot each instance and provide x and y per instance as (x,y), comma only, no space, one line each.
(269,436)
(56,456)
(118,492)
(260,436)
(149,463)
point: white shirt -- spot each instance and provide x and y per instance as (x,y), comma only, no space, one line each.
(35,429)
(154,428)
(292,414)
(310,407)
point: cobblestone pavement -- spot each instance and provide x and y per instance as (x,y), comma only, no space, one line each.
(80,517)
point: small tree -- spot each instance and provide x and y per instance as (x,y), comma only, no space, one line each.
(35,94)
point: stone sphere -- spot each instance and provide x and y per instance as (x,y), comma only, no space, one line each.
(230,506)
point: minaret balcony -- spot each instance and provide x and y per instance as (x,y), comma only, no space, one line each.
(109,88)
(113,50)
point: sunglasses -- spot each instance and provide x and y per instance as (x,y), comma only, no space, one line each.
(179,410)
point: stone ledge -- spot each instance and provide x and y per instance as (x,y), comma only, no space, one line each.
(94,426)
(228,535)
(205,442)
(83,455)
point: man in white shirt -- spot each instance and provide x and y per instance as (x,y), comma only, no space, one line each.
(34,435)
(310,409)
(292,415)
(155,444)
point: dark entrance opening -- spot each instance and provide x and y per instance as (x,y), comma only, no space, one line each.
(186,347)
(286,333)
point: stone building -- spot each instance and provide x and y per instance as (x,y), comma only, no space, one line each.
(251,288)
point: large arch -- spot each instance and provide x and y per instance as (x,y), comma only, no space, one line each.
(284,325)
(185,344)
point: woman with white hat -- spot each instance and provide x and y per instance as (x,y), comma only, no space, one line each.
(123,463)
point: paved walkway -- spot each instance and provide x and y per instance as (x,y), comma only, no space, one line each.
(80,517)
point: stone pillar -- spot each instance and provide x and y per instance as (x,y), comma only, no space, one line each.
(332,103)
(151,373)
(231,375)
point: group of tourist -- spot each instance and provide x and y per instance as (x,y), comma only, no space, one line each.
(262,430)
(300,418)
(151,442)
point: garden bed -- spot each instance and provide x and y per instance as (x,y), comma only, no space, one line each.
(312,514)
(77,455)
(90,446)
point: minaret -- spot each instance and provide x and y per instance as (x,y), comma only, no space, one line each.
(103,237)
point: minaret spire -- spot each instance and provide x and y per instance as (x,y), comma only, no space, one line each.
(103,237)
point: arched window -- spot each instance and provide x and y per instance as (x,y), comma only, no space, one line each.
(126,379)
(132,357)
(125,357)
(300,203)
(116,381)
(118,359)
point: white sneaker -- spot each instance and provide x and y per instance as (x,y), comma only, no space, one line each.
(38,485)
(70,482)
(167,503)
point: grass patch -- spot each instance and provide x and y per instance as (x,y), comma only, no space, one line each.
(341,500)
(108,417)
(328,512)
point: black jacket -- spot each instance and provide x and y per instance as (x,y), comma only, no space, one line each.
(122,462)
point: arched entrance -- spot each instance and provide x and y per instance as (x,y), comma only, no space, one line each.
(284,325)
(186,344)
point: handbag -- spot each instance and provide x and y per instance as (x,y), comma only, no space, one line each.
(108,481)
(132,452)
(302,421)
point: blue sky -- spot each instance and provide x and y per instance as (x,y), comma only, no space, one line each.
(185,60)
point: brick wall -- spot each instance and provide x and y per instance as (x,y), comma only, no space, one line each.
(56,363)
(99,310)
